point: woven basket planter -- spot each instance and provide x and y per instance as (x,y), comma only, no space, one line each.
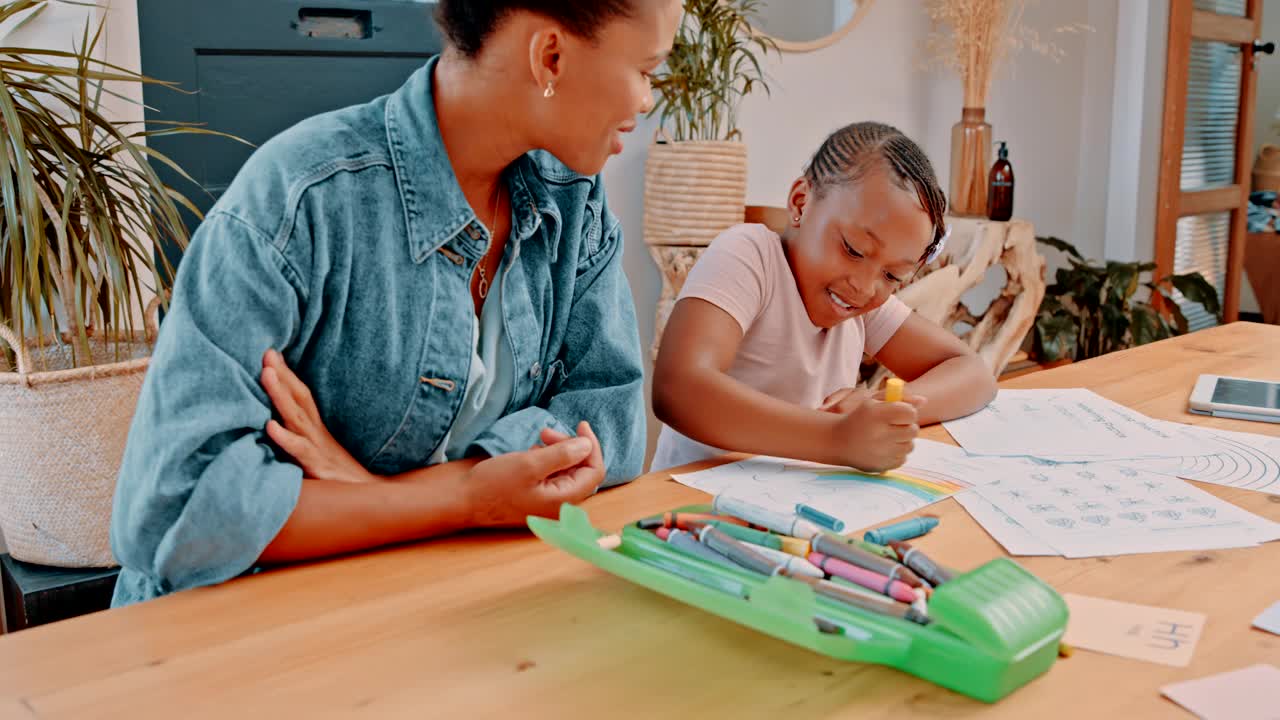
(62,435)
(693,190)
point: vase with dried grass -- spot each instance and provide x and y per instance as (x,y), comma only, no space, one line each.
(971,37)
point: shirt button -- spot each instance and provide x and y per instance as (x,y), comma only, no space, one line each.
(536,370)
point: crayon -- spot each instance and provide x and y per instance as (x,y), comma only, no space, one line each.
(873,603)
(737,551)
(674,519)
(905,530)
(713,582)
(816,516)
(893,390)
(765,518)
(687,521)
(689,545)
(746,534)
(663,533)
(794,546)
(835,546)
(870,579)
(734,589)
(922,564)
(791,564)
(883,551)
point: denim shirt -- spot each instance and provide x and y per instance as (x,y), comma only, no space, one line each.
(346,243)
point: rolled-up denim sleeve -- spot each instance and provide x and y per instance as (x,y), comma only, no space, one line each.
(601,366)
(201,493)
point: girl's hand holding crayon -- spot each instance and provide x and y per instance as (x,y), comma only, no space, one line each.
(844,400)
(873,435)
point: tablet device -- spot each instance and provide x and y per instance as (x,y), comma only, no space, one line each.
(1239,398)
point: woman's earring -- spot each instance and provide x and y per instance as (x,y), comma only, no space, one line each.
(550,91)
(797,219)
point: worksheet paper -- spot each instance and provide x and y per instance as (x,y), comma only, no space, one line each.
(1015,539)
(1251,693)
(1088,510)
(1241,460)
(1069,425)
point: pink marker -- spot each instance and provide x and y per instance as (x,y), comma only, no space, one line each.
(663,533)
(869,579)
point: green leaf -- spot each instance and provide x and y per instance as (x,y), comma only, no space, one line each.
(1056,336)
(1060,244)
(714,63)
(1115,327)
(1195,288)
(81,205)
(1122,282)
(1146,324)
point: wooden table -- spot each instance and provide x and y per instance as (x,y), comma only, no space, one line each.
(501,625)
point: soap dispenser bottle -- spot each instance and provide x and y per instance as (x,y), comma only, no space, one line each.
(1000,187)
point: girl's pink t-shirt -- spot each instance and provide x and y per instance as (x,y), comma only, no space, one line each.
(745,273)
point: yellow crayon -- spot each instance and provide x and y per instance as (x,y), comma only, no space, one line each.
(893,390)
(795,546)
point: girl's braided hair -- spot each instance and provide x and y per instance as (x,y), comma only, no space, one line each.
(849,153)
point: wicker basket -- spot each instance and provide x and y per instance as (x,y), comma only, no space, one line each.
(693,190)
(62,435)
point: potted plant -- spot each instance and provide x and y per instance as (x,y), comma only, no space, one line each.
(1091,310)
(695,178)
(696,171)
(82,209)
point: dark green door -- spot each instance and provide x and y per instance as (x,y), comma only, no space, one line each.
(258,66)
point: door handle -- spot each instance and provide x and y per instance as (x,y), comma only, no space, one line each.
(1263,47)
(335,23)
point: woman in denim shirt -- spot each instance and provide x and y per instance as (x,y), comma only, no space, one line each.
(441,271)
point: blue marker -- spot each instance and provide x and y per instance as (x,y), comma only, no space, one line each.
(905,530)
(816,516)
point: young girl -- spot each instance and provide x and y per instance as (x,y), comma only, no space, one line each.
(762,350)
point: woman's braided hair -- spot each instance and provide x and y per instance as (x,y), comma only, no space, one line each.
(849,153)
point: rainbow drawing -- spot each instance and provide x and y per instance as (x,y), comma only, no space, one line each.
(927,489)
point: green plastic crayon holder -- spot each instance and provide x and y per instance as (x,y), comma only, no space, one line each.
(994,629)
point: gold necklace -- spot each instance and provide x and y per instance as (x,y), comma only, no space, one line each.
(484,279)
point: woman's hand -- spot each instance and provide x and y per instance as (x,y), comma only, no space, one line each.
(503,491)
(303,434)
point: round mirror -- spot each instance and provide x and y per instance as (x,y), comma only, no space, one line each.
(804,25)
